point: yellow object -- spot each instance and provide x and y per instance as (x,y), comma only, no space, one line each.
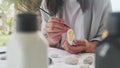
(70,36)
(105,34)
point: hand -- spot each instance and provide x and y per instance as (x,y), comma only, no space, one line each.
(79,46)
(90,46)
(54,28)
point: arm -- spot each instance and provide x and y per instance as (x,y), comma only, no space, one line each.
(106,8)
(45,18)
(52,27)
(90,45)
(104,11)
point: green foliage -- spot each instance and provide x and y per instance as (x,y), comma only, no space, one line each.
(5,12)
(15,1)
(3,39)
(9,22)
(4,6)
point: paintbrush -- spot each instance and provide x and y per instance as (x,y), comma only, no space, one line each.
(47,12)
(52,15)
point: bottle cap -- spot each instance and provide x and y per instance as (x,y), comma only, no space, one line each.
(26,22)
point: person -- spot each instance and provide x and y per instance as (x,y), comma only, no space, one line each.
(86,18)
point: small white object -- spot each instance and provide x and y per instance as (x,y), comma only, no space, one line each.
(54,55)
(85,66)
(88,60)
(72,60)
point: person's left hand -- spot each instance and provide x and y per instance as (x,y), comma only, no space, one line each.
(80,45)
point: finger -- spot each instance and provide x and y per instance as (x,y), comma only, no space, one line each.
(75,41)
(52,35)
(62,21)
(80,42)
(56,25)
(72,49)
(58,20)
(54,19)
(53,30)
(76,48)
(64,45)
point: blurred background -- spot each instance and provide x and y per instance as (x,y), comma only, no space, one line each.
(9,8)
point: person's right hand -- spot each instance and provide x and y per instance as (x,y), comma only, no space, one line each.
(54,28)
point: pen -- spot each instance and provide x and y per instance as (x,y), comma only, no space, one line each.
(52,15)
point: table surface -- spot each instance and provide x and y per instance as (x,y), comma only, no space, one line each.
(58,62)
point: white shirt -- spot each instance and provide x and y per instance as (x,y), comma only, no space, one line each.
(73,15)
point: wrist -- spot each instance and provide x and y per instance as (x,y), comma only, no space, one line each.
(52,42)
(91,46)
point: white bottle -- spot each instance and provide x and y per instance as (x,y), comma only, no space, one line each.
(27,48)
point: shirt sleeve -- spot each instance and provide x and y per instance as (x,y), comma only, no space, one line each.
(45,16)
(106,10)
